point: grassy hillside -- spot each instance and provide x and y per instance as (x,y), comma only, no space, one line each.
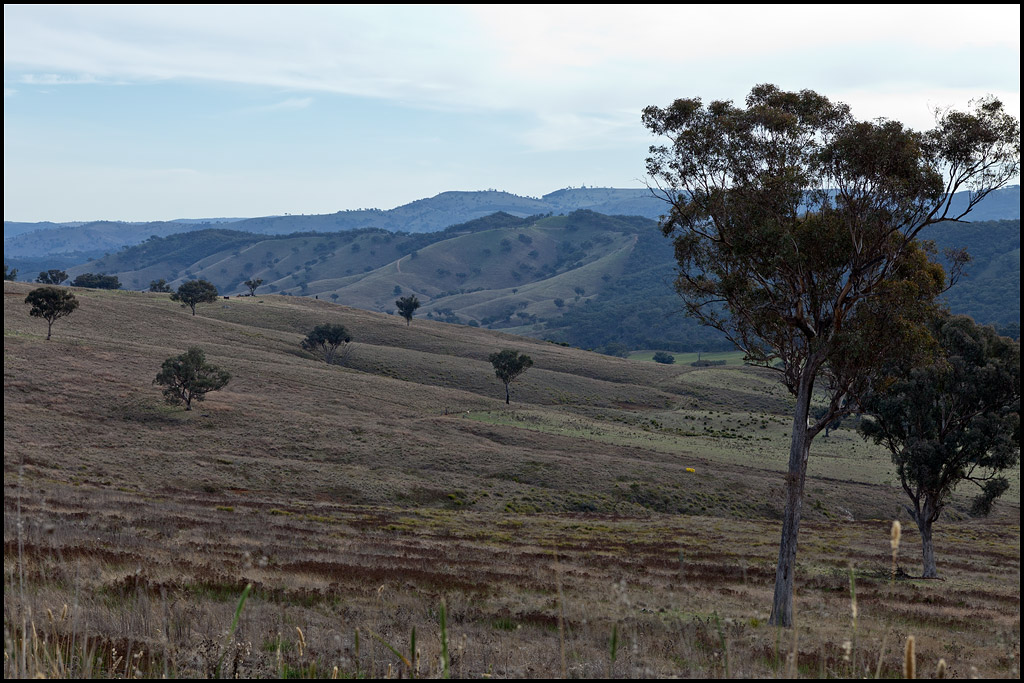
(499,271)
(611,494)
(590,280)
(990,289)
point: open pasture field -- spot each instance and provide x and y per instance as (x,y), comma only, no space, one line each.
(730,357)
(562,535)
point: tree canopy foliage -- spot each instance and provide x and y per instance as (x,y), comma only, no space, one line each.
(325,340)
(407,306)
(96,281)
(253,284)
(50,303)
(54,276)
(159,286)
(508,365)
(189,377)
(795,232)
(195,292)
(953,418)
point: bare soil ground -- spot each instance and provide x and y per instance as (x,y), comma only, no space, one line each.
(565,534)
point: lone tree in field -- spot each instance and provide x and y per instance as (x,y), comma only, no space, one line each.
(189,377)
(159,285)
(954,419)
(795,232)
(52,277)
(10,275)
(407,306)
(253,285)
(325,339)
(50,303)
(195,292)
(508,365)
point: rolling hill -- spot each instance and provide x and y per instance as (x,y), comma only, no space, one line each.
(590,280)
(612,497)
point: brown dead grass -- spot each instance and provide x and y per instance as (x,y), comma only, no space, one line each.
(361,497)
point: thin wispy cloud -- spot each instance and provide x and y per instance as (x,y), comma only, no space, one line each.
(290,104)
(60,79)
(491,56)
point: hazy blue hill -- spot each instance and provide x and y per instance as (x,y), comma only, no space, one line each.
(422,215)
(15,228)
(93,238)
(610,201)
(210,221)
(1000,205)
(63,240)
(32,240)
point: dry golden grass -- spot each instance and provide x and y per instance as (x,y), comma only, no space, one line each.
(357,499)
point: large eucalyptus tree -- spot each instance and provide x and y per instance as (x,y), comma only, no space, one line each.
(795,229)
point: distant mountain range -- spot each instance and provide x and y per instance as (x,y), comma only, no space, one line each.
(581,277)
(75,240)
(71,243)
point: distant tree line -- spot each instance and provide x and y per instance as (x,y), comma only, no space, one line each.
(96,281)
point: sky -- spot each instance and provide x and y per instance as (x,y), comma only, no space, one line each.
(159,112)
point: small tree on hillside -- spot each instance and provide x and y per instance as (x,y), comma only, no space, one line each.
(407,306)
(795,230)
(663,357)
(195,292)
(189,377)
(253,285)
(50,303)
(955,419)
(508,365)
(10,275)
(159,286)
(325,340)
(52,277)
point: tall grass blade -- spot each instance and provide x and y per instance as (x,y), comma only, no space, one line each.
(388,645)
(234,626)
(443,615)
(725,648)
(613,647)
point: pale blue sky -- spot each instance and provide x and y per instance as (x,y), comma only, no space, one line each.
(161,112)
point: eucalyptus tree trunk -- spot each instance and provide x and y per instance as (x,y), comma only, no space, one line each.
(924,519)
(799,449)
